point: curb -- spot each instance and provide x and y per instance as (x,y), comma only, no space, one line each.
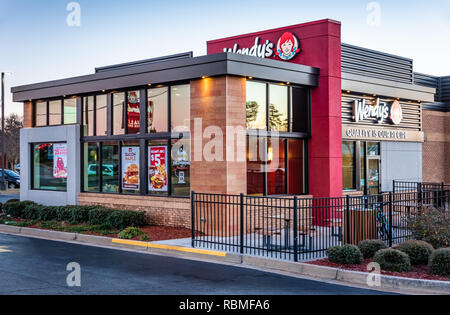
(344,277)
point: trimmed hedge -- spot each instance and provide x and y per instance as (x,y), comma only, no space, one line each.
(419,252)
(93,215)
(369,247)
(440,262)
(347,254)
(392,260)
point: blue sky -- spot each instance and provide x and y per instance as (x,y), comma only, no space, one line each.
(38,45)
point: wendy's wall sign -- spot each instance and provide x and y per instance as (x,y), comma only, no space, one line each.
(378,111)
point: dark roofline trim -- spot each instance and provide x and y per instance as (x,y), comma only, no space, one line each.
(171,71)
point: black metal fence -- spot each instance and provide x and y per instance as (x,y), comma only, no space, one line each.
(296,228)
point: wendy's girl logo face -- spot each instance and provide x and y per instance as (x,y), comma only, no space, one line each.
(288,46)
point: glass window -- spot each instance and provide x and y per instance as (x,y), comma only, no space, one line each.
(131,177)
(256,105)
(299,109)
(373,148)
(110,167)
(278,109)
(255,165)
(158,159)
(157,109)
(91,165)
(180,170)
(49,166)
(41,114)
(54,113)
(70,111)
(348,165)
(88,116)
(296,169)
(180,107)
(101,113)
(363,166)
(119,113)
(133,112)
(276,166)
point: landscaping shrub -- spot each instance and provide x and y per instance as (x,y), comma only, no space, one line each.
(392,260)
(418,251)
(31,212)
(13,200)
(347,254)
(15,208)
(1,207)
(440,262)
(130,233)
(431,225)
(369,247)
(98,216)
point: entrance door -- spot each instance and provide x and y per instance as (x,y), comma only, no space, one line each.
(373,172)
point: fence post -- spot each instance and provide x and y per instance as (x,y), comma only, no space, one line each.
(393,186)
(241,218)
(390,218)
(419,192)
(193,218)
(441,197)
(295,230)
(347,223)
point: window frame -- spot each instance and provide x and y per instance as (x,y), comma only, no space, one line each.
(47,113)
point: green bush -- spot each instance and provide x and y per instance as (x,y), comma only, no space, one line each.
(130,233)
(13,200)
(440,262)
(369,247)
(392,260)
(419,252)
(347,254)
(15,208)
(431,225)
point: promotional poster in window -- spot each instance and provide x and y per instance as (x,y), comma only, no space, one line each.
(60,160)
(157,168)
(130,168)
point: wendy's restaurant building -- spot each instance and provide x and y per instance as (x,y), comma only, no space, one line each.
(288,111)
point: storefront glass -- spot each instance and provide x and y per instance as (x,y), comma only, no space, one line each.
(348,165)
(54,112)
(133,112)
(180,107)
(91,165)
(276,166)
(118,113)
(101,114)
(41,114)
(70,111)
(49,166)
(180,168)
(110,167)
(278,109)
(299,109)
(88,116)
(256,94)
(157,109)
(131,177)
(256,158)
(296,167)
(158,168)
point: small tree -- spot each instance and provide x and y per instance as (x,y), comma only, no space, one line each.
(13,124)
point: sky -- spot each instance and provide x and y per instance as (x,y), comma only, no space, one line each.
(38,44)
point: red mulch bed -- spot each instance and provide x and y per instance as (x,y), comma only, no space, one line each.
(417,272)
(162,233)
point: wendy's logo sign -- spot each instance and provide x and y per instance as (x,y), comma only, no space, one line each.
(378,111)
(288,46)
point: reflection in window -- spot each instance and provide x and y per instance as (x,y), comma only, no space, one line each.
(88,116)
(180,170)
(91,165)
(70,111)
(363,166)
(373,148)
(276,168)
(256,105)
(101,111)
(49,168)
(119,113)
(296,163)
(133,112)
(54,113)
(348,165)
(110,167)
(299,110)
(278,109)
(41,114)
(157,109)
(180,107)
(255,165)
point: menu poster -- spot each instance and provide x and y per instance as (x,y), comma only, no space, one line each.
(130,168)
(133,108)
(60,160)
(157,168)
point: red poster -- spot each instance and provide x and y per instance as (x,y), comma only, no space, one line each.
(157,168)
(133,109)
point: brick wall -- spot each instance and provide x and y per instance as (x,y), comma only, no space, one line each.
(436,151)
(162,211)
